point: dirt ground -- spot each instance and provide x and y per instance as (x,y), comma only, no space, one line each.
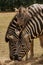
(5,19)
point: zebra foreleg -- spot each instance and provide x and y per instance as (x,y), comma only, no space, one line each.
(32,49)
(41,41)
(26,55)
(30,46)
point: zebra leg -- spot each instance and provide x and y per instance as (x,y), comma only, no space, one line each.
(41,41)
(32,49)
(26,55)
(27,45)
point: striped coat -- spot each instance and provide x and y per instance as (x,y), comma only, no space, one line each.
(32,19)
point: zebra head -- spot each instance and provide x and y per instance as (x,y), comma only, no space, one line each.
(21,17)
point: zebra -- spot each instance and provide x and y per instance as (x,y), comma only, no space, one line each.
(16,42)
(31,21)
(12,35)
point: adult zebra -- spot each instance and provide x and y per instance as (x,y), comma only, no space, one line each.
(31,21)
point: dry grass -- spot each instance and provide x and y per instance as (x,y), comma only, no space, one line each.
(5,18)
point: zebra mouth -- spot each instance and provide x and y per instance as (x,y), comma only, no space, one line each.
(16,57)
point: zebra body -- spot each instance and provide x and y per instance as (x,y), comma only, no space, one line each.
(34,25)
(32,17)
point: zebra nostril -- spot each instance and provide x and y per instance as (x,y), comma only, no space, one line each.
(16,57)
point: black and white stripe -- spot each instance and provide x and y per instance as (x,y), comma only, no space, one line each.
(17,47)
(34,23)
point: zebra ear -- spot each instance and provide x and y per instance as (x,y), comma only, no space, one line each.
(16,10)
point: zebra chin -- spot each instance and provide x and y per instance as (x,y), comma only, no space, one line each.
(15,57)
